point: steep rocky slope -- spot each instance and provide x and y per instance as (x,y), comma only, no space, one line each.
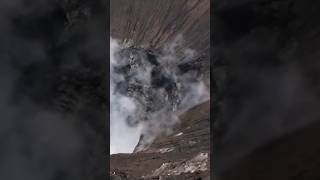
(154,25)
(182,155)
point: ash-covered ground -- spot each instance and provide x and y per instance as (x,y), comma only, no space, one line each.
(184,154)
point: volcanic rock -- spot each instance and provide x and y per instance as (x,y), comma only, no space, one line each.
(182,155)
(151,27)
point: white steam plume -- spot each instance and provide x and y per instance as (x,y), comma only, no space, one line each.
(123,137)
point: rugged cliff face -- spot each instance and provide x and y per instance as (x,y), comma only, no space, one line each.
(152,27)
(153,24)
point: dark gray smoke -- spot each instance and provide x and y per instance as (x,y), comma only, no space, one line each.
(53,89)
(265,70)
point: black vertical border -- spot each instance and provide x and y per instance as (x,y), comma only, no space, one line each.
(107,155)
(212,86)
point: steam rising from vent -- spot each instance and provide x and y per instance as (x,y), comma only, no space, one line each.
(148,90)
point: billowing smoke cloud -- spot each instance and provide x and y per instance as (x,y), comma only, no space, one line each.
(148,103)
(123,138)
(266,88)
(52,114)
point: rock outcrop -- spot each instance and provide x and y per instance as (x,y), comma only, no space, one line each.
(151,26)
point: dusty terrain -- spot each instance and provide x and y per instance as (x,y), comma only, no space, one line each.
(153,24)
(182,155)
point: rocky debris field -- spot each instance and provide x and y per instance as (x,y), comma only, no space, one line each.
(182,155)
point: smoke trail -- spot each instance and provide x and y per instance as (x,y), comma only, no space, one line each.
(148,103)
(122,137)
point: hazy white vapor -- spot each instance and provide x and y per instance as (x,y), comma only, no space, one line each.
(124,138)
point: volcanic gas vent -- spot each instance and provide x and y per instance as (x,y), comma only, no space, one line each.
(147,82)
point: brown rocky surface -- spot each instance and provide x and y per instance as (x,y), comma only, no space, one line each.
(182,155)
(152,25)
